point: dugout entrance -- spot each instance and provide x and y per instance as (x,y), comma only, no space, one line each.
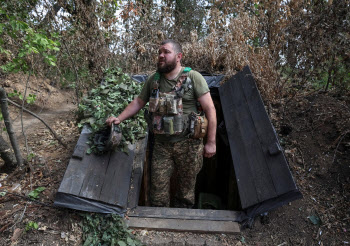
(248,176)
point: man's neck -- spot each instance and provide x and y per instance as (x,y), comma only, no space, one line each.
(173,74)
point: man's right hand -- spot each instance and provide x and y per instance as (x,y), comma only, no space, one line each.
(114,120)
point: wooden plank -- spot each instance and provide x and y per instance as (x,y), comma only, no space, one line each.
(146,181)
(95,175)
(260,170)
(183,225)
(117,179)
(146,178)
(135,187)
(184,213)
(137,172)
(245,182)
(79,151)
(76,171)
(276,162)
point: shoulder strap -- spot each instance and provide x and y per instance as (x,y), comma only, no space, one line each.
(156,76)
(156,80)
(187,69)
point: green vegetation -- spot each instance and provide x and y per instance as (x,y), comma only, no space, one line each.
(106,230)
(30,99)
(31,42)
(31,225)
(35,193)
(110,99)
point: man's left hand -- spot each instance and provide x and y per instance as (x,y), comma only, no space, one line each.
(209,150)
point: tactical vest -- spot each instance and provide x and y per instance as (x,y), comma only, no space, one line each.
(166,108)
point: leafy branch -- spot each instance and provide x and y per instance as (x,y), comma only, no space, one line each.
(110,99)
(106,230)
(30,42)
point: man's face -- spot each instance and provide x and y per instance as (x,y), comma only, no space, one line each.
(167,58)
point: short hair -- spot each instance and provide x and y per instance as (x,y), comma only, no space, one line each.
(176,46)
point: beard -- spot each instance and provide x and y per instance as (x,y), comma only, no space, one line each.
(167,67)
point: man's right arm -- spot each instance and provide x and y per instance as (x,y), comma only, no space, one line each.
(132,109)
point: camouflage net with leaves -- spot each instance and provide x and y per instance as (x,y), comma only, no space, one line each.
(106,230)
(110,99)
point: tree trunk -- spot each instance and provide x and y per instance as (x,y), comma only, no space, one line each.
(7,155)
(13,140)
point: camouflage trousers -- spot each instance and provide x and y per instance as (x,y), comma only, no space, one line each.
(183,159)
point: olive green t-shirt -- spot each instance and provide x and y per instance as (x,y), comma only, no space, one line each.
(189,99)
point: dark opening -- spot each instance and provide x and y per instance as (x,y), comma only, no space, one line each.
(216,186)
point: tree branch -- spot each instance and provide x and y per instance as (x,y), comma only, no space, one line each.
(31,113)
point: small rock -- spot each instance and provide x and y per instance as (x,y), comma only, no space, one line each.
(63,235)
(43,228)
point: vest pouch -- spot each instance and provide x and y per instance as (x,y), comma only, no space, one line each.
(179,105)
(198,125)
(178,123)
(162,105)
(153,104)
(157,124)
(168,125)
(171,105)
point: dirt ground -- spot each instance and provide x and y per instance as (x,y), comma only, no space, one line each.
(314,129)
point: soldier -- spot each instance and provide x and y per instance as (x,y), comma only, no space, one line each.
(173,92)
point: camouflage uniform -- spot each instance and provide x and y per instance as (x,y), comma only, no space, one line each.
(176,155)
(185,158)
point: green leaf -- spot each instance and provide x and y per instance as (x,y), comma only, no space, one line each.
(315,219)
(35,193)
(31,225)
(121,243)
(124,87)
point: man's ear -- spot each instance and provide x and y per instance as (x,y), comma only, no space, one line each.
(179,56)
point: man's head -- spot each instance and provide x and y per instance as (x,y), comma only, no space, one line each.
(169,56)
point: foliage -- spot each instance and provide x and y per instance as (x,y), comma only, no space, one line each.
(35,193)
(285,43)
(317,42)
(30,99)
(30,156)
(106,230)
(110,99)
(29,42)
(31,225)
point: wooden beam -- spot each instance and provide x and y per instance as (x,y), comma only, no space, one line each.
(183,225)
(184,213)
(137,172)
